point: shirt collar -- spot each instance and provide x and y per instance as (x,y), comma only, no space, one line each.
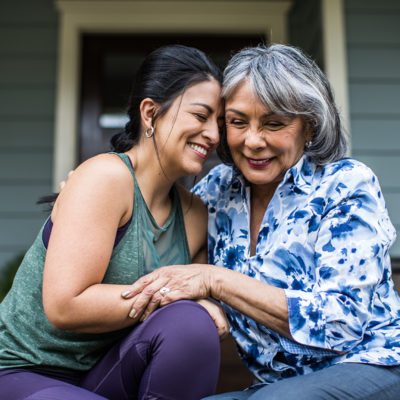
(239,182)
(300,175)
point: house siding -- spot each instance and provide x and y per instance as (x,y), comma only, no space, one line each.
(28,53)
(373,54)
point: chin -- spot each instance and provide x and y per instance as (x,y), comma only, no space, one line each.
(193,172)
(259,178)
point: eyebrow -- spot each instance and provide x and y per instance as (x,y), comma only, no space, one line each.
(206,106)
(245,115)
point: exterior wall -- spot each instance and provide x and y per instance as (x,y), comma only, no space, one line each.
(373,53)
(28,49)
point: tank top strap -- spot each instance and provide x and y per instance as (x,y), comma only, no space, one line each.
(127,161)
(138,194)
(181,225)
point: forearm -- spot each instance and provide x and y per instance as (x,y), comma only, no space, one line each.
(99,308)
(264,303)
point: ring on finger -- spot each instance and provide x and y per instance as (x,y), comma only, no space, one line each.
(164,290)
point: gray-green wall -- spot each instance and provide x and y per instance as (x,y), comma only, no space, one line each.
(373,51)
(28,52)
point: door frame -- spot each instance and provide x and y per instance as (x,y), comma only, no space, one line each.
(153,16)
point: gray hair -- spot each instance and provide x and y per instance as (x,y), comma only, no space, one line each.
(290,83)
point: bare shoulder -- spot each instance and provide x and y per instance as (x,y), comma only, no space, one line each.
(101,180)
(102,172)
(106,165)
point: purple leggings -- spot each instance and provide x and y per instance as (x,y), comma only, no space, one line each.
(174,354)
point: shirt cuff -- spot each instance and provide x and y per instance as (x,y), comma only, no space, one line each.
(306,320)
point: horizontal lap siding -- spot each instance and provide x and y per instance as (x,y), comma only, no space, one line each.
(28,54)
(373,51)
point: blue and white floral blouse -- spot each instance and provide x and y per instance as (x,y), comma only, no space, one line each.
(325,240)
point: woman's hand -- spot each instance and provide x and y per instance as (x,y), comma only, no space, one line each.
(260,301)
(178,282)
(61,185)
(218,314)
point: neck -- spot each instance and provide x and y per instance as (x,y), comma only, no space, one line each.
(155,184)
(261,195)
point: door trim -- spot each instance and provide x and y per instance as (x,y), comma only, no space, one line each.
(335,57)
(143,16)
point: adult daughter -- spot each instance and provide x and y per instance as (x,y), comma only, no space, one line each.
(64,327)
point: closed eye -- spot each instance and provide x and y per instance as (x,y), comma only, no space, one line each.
(273,124)
(235,122)
(200,117)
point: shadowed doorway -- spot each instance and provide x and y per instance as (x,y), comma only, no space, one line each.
(109,63)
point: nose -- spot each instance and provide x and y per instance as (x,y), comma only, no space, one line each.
(254,140)
(212,133)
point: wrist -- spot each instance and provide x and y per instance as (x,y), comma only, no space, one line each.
(215,282)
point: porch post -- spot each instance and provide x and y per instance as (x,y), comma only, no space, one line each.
(335,56)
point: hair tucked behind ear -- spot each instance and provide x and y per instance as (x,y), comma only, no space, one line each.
(164,75)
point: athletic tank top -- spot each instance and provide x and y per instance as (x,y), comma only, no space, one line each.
(26,336)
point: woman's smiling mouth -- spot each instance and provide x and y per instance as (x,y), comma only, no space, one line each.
(259,163)
(200,150)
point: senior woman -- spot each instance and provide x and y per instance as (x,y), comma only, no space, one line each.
(299,239)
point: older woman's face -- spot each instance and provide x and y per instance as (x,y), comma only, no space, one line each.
(263,145)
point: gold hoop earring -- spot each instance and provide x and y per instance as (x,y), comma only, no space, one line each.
(151,129)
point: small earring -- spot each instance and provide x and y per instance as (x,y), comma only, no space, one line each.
(151,129)
(308,144)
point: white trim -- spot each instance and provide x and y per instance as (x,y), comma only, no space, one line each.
(143,16)
(66,113)
(335,55)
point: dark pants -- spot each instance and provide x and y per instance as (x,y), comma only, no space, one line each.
(347,381)
(174,354)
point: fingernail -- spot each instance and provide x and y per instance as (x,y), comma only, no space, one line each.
(132,313)
(126,293)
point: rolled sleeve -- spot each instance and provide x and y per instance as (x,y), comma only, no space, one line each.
(351,254)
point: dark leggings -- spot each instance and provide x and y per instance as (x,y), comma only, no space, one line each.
(174,354)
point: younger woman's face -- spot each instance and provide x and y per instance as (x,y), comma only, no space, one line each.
(189,131)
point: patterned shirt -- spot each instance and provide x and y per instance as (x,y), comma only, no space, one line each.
(325,240)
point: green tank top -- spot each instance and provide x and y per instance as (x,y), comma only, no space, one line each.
(26,336)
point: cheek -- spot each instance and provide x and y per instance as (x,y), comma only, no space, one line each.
(233,139)
(292,143)
(294,153)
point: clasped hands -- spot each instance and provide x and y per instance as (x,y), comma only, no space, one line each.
(184,282)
